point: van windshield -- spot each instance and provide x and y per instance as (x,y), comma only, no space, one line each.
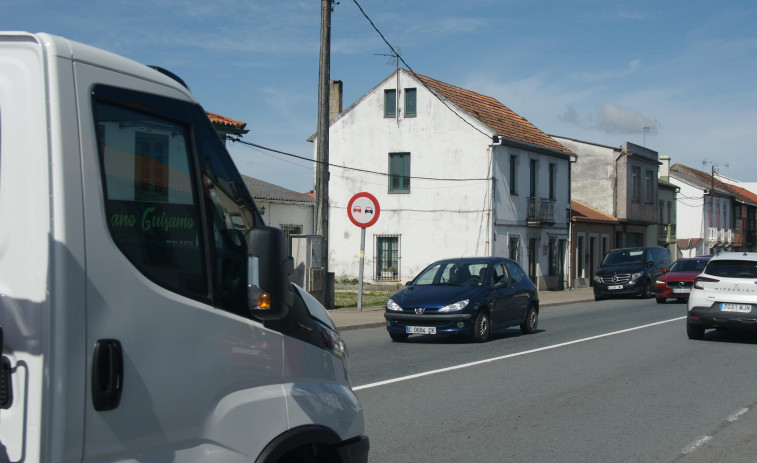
(623,257)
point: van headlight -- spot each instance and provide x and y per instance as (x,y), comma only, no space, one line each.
(636,276)
(333,342)
(457,306)
(597,278)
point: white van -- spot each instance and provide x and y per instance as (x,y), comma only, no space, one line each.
(145,310)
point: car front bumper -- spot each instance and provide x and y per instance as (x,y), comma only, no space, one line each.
(444,323)
(628,289)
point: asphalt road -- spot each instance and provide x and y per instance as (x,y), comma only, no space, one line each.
(610,381)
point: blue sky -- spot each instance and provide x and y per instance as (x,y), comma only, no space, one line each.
(594,70)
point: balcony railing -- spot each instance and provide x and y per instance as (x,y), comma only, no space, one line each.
(666,234)
(712,235)
(541,211)
(721,236)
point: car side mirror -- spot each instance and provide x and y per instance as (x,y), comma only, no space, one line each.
(650,263)
(269,294)
(501,284)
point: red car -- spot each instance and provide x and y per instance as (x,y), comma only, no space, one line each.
(677,281)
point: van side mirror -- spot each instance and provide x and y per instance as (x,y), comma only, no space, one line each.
(269,294)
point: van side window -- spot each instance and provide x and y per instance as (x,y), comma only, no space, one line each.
(150,199)
(176,206)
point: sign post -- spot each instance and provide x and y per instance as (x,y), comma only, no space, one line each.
(363,210)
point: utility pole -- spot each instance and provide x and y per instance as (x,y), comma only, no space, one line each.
(322,155)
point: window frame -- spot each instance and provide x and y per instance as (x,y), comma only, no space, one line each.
(403,176)
(393,93)
(514,174)
(414,93)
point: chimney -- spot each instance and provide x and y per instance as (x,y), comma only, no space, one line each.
(335,99)
(664,168)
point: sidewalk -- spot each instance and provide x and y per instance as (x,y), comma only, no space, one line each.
(371,317)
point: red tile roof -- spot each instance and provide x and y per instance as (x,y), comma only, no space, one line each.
(706,181)
(494,114)
(580,212)
(223,121)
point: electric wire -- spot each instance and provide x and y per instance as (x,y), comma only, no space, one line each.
(399,57)
(355,169)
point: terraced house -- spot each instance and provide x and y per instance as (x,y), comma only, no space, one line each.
(456,173)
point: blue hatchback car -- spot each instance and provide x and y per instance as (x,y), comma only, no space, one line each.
(473,296)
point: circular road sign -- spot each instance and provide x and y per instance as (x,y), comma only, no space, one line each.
(363,209)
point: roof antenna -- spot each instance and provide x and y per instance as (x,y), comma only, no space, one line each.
(395,59)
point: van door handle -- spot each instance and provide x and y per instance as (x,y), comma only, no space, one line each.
(107,374)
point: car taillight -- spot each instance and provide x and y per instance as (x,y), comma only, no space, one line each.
(705,279)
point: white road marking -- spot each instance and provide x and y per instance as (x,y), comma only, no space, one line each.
(508,356)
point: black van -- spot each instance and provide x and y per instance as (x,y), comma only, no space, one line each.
(630,272)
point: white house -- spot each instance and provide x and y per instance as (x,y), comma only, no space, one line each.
(455,173)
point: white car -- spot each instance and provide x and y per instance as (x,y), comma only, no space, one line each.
(724,295)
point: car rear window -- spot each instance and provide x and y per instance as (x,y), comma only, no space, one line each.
(732,268)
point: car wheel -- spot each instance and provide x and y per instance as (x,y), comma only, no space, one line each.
(661,300)
(398,337)
(694,331)
(530,323)
(646,291)
(482,327)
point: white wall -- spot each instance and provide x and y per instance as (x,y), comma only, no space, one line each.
(439,218)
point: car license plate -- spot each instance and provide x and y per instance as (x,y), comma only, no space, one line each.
(615,287)
(744,308)
(420,329)
(681,290)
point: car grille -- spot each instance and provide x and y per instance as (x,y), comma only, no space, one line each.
(680,284)
(617,279)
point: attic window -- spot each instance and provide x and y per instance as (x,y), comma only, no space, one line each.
(390,103)
(410,102)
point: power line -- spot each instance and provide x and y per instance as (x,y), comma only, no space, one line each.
(400,58)
(366,171)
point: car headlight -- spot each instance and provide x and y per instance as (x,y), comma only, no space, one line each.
(391,305)
(460,305)
(636,276)
(659,282)
(598,278)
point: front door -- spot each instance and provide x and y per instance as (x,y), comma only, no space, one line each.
(176,370)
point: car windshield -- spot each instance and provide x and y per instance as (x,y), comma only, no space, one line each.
(697,265)
(456,273)
(624,257)
(733,269)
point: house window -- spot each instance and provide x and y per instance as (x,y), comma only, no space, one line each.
(552,180)
(514,248)
(670,212)
(410,106)
(661,211)
(399,173)
(513,175)
(635,183)
(649,191)
(387,257)
(390,103)
(532,172)
(150,167)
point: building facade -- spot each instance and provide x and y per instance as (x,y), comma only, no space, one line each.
(455,173)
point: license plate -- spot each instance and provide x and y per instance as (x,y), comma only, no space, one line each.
(744,308)
(681,290)
(615,287)
(420,329)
